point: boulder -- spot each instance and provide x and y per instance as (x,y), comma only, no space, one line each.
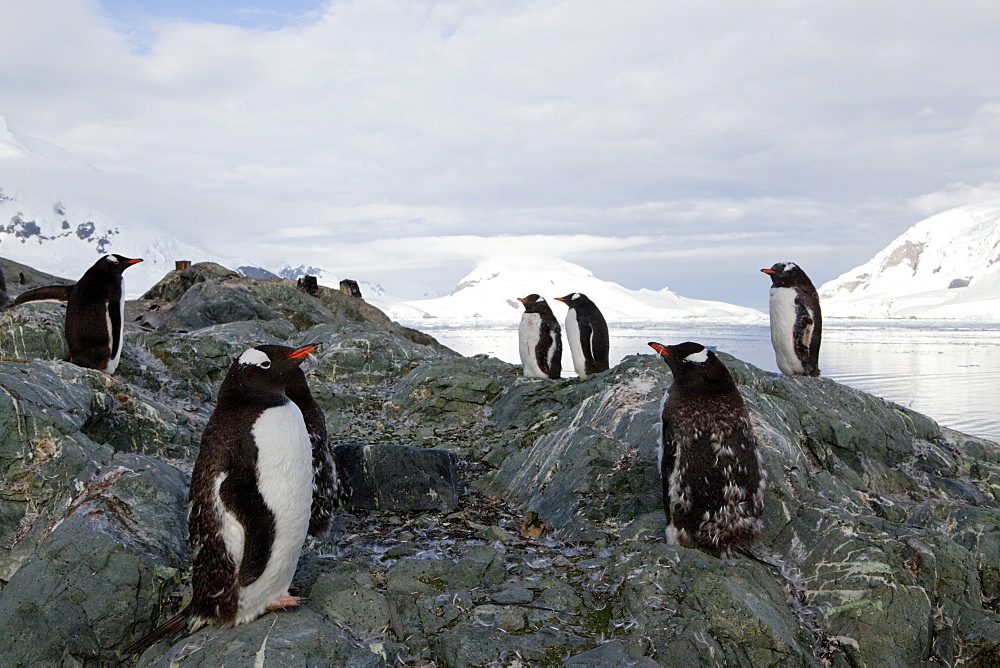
(385,476)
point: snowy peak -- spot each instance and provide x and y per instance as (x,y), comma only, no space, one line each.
(946,266)
(489,294)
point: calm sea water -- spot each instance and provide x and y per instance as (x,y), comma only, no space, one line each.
(948,371)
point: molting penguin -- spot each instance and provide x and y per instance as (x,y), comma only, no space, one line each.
(540,339)
(796,321)
(713,478)
(251,495)
(325,487)
(587,333)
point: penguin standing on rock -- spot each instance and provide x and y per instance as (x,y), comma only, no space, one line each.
(713,478)
(251,497)
(796,321)
(587,333)
(95,312)
(540,339)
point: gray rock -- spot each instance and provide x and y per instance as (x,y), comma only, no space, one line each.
(608,654)
(297,637)
(396,477)
(102,570)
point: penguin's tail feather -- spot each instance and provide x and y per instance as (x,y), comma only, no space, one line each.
(56,292)
(167,629)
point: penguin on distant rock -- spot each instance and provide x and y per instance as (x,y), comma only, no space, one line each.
(796,320)
(587,333)
(95,310)
(713,477)
(540,339)
(251,497)
(4,299)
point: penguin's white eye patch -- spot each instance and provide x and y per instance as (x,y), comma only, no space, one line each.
(576,295)
(255,357)
(111,258)
(789,266)
(699,357)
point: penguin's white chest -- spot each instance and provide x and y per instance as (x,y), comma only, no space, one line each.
(783,317)
(575,344)
(529,335)
(284,478)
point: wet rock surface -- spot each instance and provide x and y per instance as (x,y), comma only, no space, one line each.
(882,530)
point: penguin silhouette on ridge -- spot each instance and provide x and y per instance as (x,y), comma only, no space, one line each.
(251,497)
(796,320)
(539,339)
(712,474)
(587,334)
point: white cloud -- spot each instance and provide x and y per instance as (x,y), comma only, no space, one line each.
(802,127)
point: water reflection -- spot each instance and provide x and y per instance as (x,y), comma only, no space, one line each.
(950,372)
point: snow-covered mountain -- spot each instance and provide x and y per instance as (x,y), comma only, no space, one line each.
(46,222)
(489,294)
(946,266)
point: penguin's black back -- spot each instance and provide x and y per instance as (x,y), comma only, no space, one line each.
(715,501)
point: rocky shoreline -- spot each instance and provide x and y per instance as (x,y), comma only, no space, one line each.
(884,529)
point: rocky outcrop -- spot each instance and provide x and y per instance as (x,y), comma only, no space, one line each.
(882,530)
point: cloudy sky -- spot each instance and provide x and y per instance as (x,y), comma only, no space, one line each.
(680,143)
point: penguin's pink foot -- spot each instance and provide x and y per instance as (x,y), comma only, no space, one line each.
(284,602)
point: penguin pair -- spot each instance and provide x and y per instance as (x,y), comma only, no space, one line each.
(796,320)
(711,470)
(95,312)
(540,343)
(263,479)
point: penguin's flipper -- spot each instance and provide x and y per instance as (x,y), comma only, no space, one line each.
(803,329)
(548,330)
(587,346)
(326,488)
(668,453)
(49,292)
(241,497)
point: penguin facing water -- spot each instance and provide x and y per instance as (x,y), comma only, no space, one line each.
(587,333)
(713,478)
(251,497)
(796,320)
(95,310)
(539,339)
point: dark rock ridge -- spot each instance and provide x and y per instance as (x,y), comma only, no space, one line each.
(885,527)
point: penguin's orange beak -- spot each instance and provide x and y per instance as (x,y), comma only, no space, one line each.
(769,271)
(560,299)
(521,299)
(135,260)
(302,352)
(659,347)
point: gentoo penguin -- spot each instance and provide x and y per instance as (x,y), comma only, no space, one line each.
(587,333)
(540,339)
(713,478)
(250,497)
(95,311)
(796,321)
(4,299)
(325,486)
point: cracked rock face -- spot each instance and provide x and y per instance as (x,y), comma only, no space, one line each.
(883,530)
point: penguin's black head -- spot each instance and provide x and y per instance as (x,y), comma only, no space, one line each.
(264,370)
(535,304)
(573,299)
(116,263)
(694,366)
(787,274)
